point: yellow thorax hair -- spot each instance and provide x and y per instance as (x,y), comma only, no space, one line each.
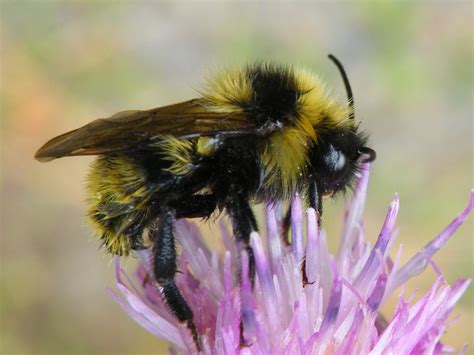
(285,155)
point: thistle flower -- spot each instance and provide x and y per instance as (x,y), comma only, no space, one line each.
(305,300)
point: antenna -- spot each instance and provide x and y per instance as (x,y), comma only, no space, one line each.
(346,84)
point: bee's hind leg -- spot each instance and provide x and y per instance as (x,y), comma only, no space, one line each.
(164,268)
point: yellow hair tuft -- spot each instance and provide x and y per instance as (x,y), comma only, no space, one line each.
(225,90)
(115,188)
(180,152)
(317,105)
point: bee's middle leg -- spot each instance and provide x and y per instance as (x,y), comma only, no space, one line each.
(240,212)
(243,223)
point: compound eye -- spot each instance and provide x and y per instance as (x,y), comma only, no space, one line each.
(340,162)
(335,160)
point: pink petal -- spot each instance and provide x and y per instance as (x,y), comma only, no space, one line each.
(297,242)
(354,215)
(418,263)
(274,239)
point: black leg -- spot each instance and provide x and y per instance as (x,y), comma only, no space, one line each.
(195,206)
(243,223)
(315,200)
(164,268)
(286,223)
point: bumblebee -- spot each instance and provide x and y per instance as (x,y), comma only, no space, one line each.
(259,133)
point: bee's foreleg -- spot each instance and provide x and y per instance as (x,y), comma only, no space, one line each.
(243,223)
(315,200)
(164,268)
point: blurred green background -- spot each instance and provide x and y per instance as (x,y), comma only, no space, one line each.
(66,62)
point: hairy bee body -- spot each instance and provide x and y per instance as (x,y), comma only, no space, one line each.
(126,190)
(119,192)
(260,133)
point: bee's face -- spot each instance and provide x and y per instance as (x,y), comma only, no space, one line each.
(336,158)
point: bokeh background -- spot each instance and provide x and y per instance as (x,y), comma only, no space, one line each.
(64,63)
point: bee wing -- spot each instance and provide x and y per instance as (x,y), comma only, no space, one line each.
(128,129)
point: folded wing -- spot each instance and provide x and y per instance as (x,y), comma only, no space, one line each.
(130,130)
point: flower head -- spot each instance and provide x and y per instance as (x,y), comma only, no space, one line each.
(304,300)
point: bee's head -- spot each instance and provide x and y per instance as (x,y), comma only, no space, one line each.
(339,152)
(336,158)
